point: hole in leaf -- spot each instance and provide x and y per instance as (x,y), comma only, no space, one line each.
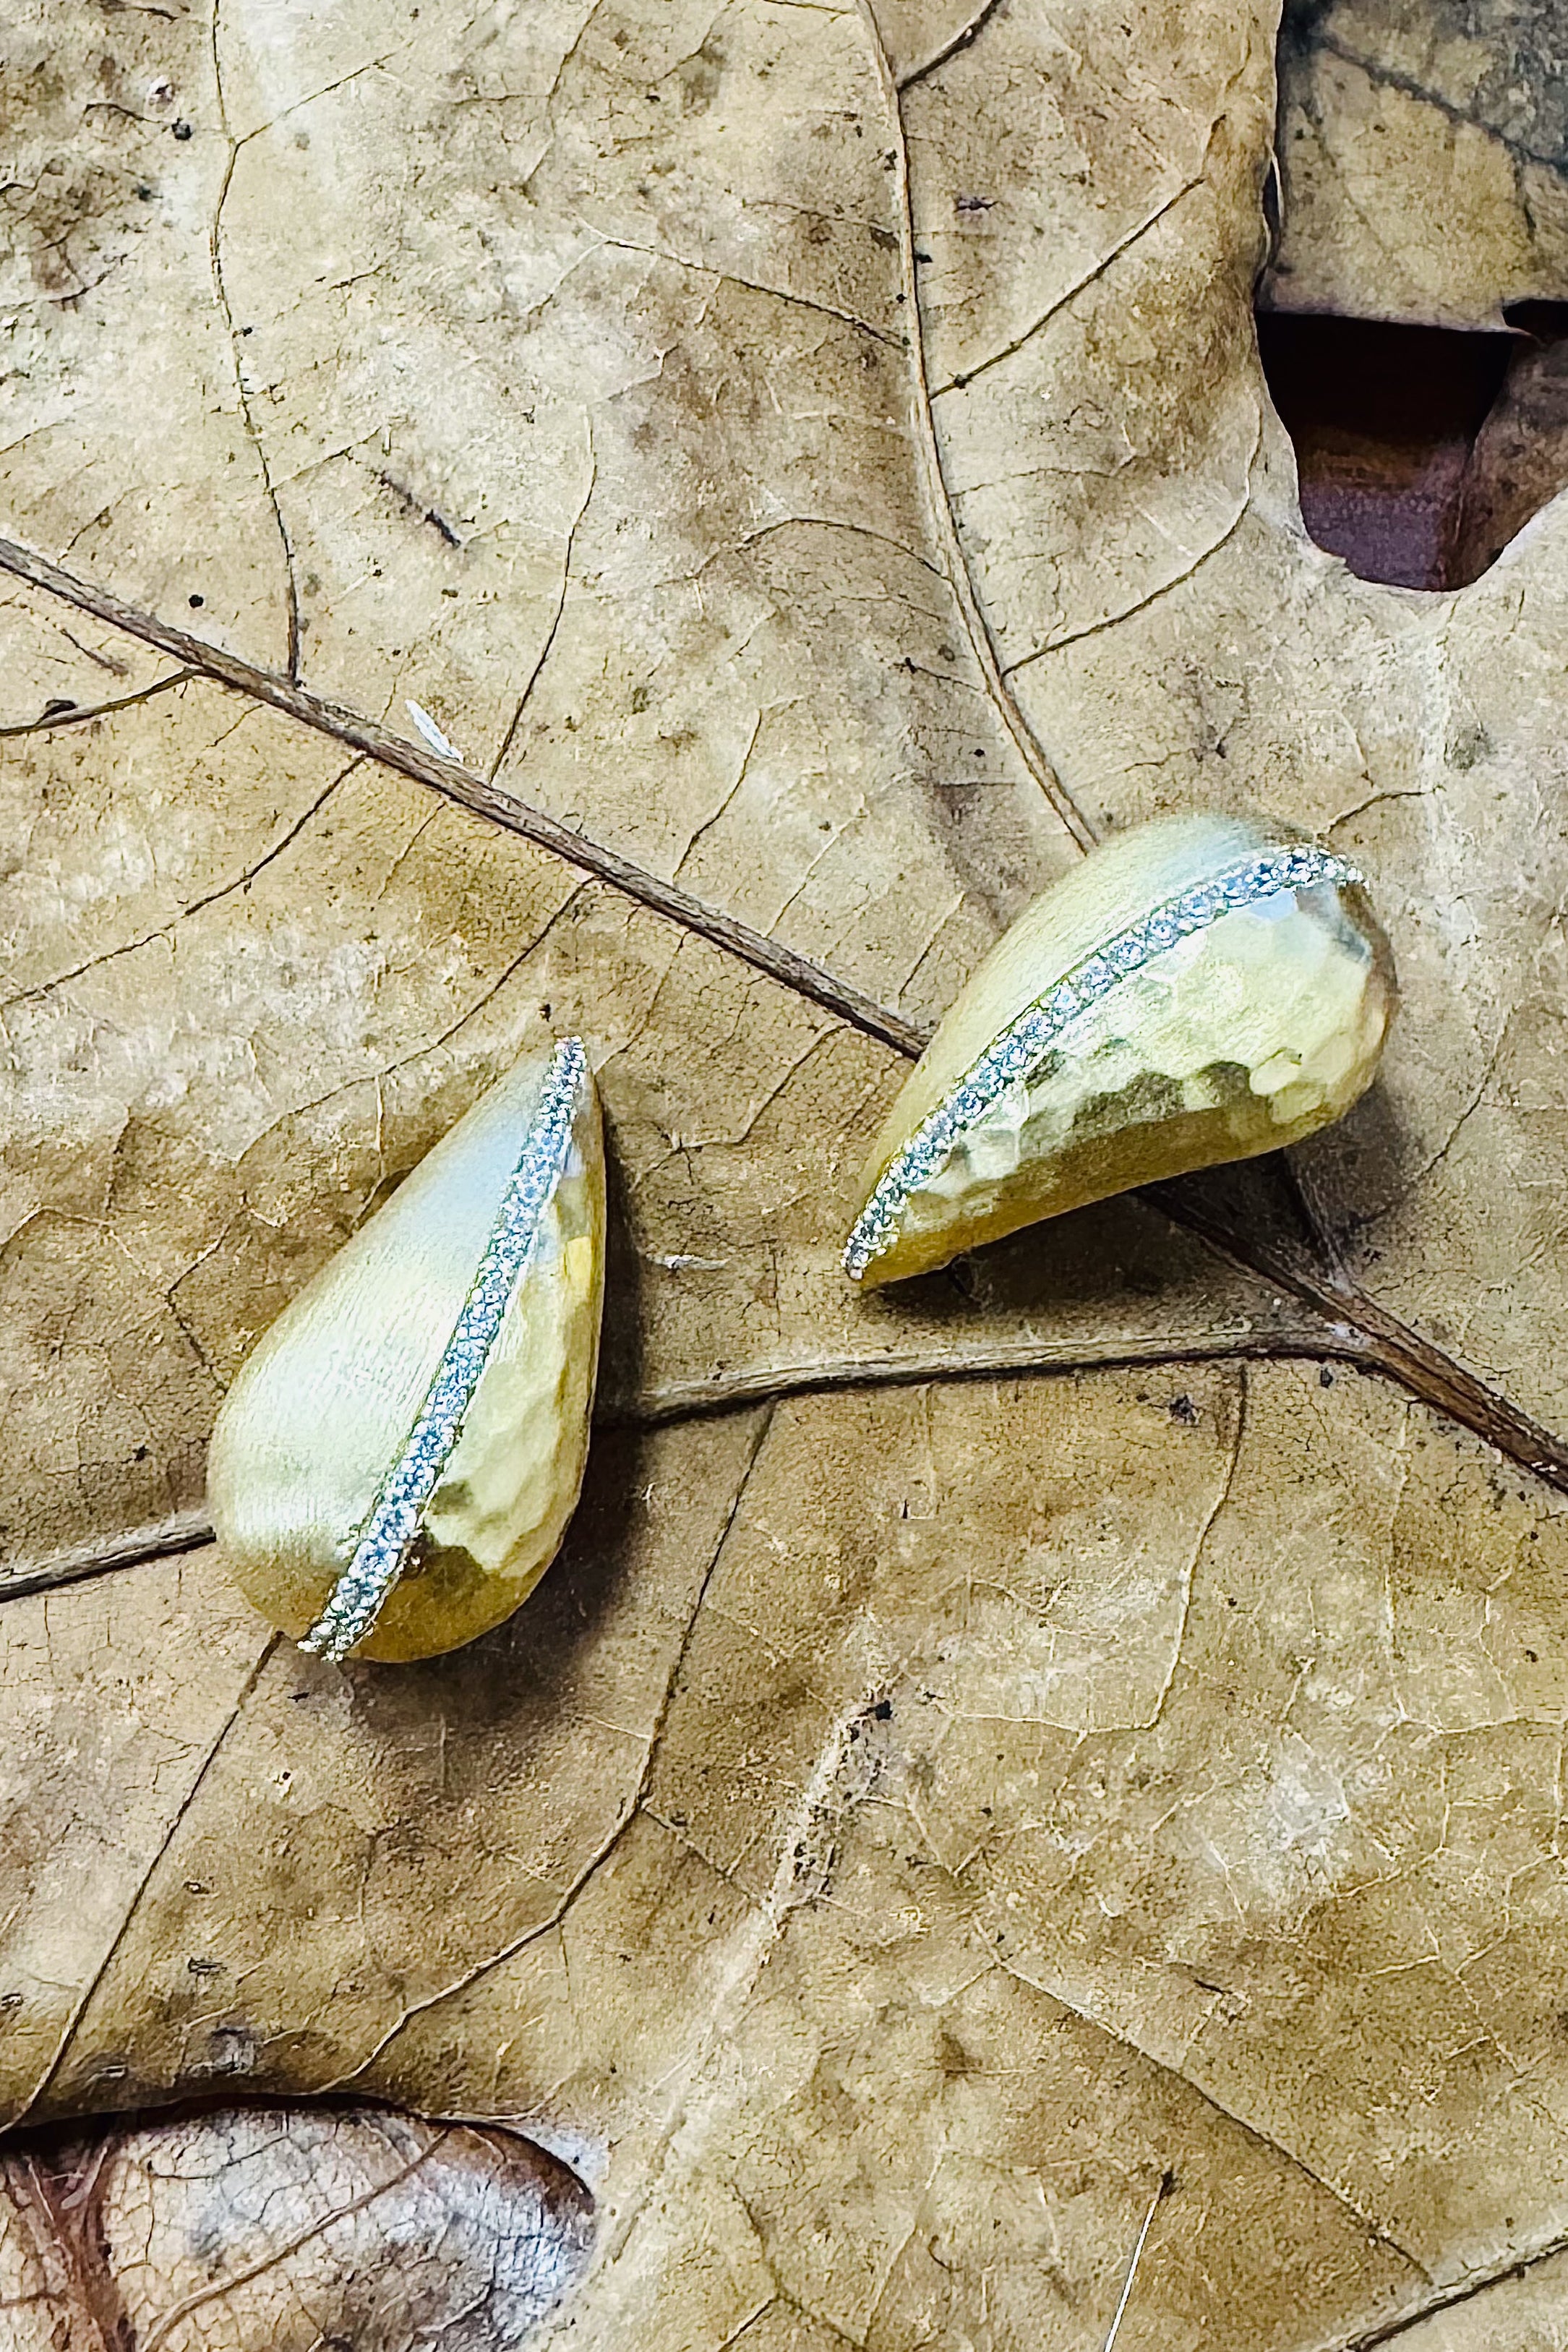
(1421,450)
(1410,355)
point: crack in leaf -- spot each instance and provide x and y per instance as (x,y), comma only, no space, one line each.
(77,714)
(313,97)
(1413,1184)
(220,287)
(487,995)
(1388,2331)
(1392,1347)
(73,2023)
(834,522)
(938,502)
(1390,78)
(1190,1572)
(546,647)
(744,2327)
(951,47)
(1254,2131)
(194,907)
(747,285)
(1164,588)
(1064,301)
(709,822)
(624,1819)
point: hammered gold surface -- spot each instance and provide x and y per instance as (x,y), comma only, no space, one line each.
(323,1408)
(1091,1714)
(1245,1036)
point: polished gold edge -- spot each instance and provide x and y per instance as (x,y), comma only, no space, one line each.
(1026,1040)
(391,1531)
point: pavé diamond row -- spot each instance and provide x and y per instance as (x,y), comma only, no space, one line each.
(390,1532)
(1026,1041)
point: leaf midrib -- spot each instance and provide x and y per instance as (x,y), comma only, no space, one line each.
(1354,1323)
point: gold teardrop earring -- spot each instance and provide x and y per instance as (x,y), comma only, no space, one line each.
(1200,989)
(395,1466)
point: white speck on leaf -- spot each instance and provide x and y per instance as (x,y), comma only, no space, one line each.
(432,733)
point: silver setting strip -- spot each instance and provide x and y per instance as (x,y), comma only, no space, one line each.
(1026,1041)
(392,1528)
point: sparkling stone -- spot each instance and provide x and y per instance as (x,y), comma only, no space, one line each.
(395,1520)
(1246,884)
(1015,1054)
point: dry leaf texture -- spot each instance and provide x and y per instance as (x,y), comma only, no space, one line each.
(1422,152)
(289,2228)
(985,1748)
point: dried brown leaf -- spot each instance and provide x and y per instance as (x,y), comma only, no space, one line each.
(983,1749)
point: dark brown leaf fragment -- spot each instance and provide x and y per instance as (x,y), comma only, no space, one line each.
(285,2228)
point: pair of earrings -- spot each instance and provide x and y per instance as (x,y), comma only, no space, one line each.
(395,1467)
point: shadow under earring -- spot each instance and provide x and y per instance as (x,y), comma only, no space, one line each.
(394,1469)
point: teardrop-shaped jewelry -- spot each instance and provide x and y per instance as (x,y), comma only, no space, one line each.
(395,1465)
(1200,989)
